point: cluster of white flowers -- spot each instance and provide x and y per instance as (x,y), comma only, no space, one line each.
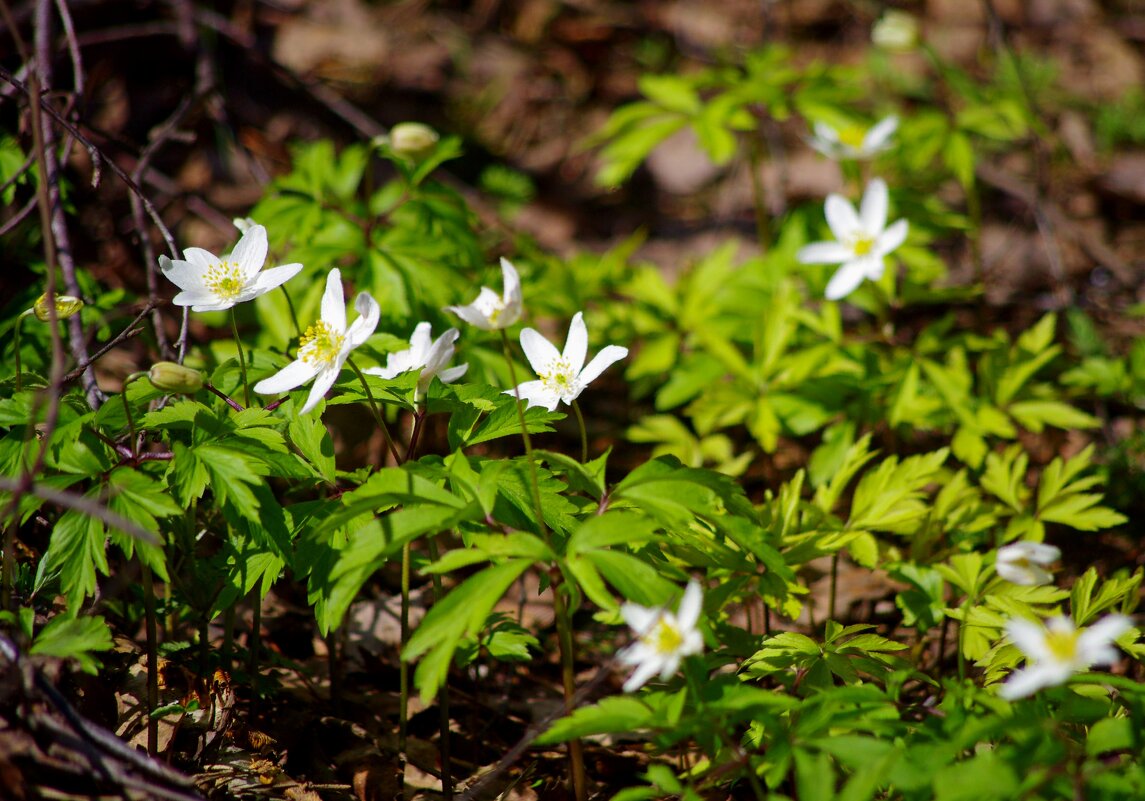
(863,239)
(213,283)
(1057,649)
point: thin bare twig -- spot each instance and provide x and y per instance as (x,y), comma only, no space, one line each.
(77,338)
(79,503)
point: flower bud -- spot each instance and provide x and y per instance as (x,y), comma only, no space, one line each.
(175,378)
(896,31)
(66,306)
(413,140)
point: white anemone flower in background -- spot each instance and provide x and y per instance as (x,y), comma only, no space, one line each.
(425,354)
(663,638)
(1025,562)
(490,311)
(563,376)
(215,283)
(1058,650)
(854,143)
(324,348)
(863,240)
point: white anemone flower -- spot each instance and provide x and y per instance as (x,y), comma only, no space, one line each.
(1060,649)
(854,143)
(324,348)
(215,283)
(492,312)
(863,240)
(664,639)
(425,354)
(1025,562)
(563,376)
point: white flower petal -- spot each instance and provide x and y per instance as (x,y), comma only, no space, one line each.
(873,212)
(472,315)
(362,328)
(200,258)
(333,311)
(451,374)
(512,296)
(645,671)
(535,394)
(1101,633)
(576,346)
(183,274)
(690,606)
(841,217)
(1030,639)
(250,252)
(322,383)
(877,138)
(889,240)
(639,618)
(601,362)
(846,279)
(293,375)
(198,298)
(538,350)
(273,278)
(824,253)
(1027,681)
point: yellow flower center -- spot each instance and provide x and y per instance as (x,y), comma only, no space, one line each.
(495,312)
(863,245)
(321,344)
(224,279)
(853,136)
(1062,643)
(560,378)
(664,638)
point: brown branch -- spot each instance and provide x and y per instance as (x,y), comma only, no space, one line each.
(79,503)
(77,338)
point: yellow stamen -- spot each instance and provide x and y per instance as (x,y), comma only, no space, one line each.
(224,279)
(664,638)
(321,344)
(1062,643)
(863,245)
(560,377)
(853,136)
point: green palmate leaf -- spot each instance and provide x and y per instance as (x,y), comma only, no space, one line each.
(1005,477)
(1088,600)
(75,552)
(372,544)
(460,614)
(1061,497)
(74,638)
(814,775)
(1037,414)
(828,495)
(634,578)
(616,715)
(309,434)
(615,527)
(889,498)
(587,478)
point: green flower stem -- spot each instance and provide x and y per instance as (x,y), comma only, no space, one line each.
(16,340)
(152,658)
(758,192)
(962,637)
(242,357)
(377,412)
(568,681)
(834,586)
(443,694)
(583,433)
(293,314)
(403,665)
(564,632)
(127,409)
